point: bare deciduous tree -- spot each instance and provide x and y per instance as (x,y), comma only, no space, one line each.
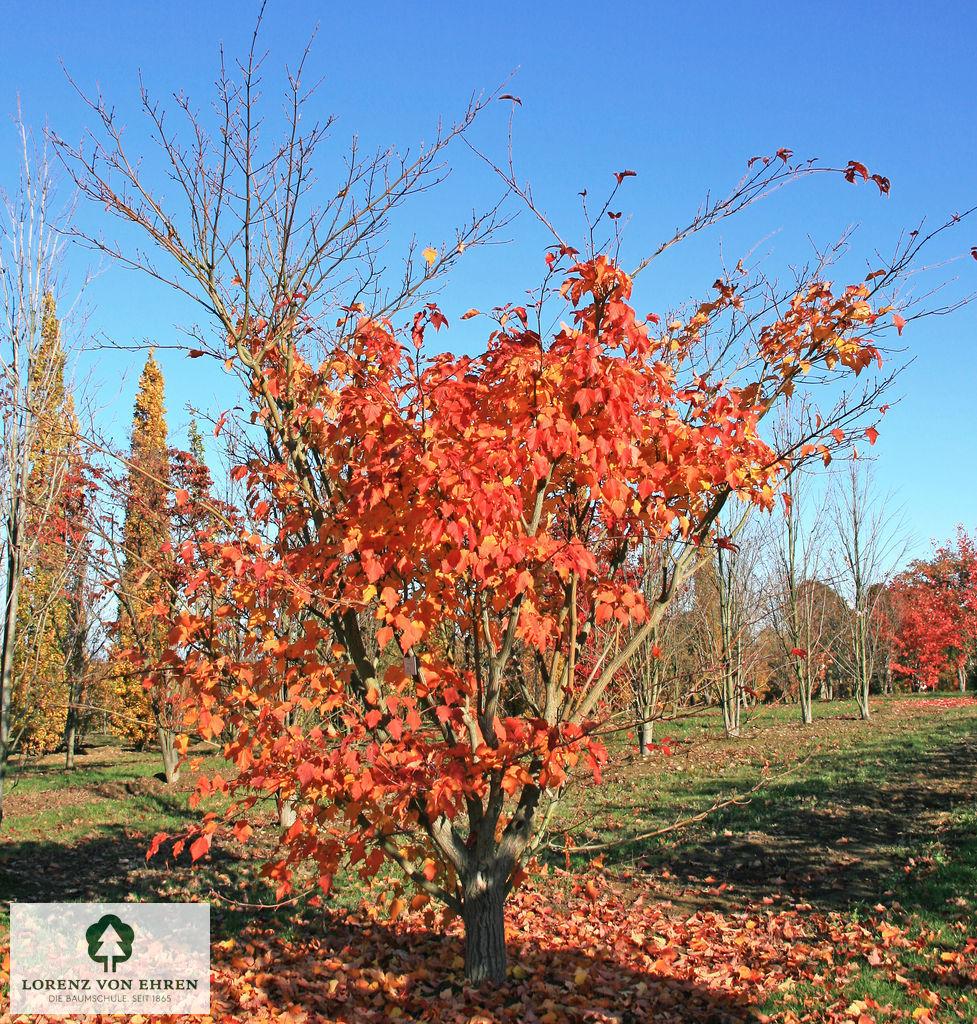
(31,258)
(870,543)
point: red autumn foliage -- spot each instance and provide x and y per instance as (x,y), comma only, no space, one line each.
(936,604)
(426,522)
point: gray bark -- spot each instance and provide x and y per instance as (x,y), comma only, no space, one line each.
(483,912)
(171,760)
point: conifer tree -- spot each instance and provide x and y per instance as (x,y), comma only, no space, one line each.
(145,539)
(49,660)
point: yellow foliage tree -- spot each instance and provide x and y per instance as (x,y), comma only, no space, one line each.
(142,580)
(46,658)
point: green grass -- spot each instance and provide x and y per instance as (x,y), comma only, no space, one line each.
(934,899)
(879,815)
(704,769)
(83,835)
(878,825)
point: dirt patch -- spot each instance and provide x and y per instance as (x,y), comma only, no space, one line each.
(118,790)
(29,805)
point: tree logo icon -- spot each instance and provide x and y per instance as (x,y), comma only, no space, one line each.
(110,942)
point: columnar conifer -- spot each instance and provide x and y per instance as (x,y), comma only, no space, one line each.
(48,630)
(145,533)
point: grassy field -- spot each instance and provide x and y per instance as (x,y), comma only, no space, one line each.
(857,823)
(857,845)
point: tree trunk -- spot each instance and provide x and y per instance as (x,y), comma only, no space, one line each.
(861,696)
(962,677)
(71,724)
(7,650)
(805,692)
(646,730)
(77,667)
(807,711)
(731,698)
(286,812)
(483,912)
(69,740)
(171,764)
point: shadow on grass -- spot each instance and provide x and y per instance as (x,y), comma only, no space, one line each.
(830,846)
(109,867)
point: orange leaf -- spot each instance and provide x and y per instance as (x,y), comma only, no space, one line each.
(430,255)
(899,322)
(199,847)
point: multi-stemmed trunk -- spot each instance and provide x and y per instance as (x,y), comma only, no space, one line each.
(732,699)
(484,865)
(649,680)
(171,760)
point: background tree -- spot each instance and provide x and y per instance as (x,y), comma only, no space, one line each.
(869,545)
(935,614)
(33,427)
(799,607)
(728,612)
(50,656)
(143,576)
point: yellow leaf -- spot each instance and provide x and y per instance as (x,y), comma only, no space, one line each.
(430,255)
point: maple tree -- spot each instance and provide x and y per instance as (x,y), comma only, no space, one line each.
(463,504)
(935,610)
(398,646)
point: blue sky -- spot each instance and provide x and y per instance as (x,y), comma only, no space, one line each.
(683,94)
